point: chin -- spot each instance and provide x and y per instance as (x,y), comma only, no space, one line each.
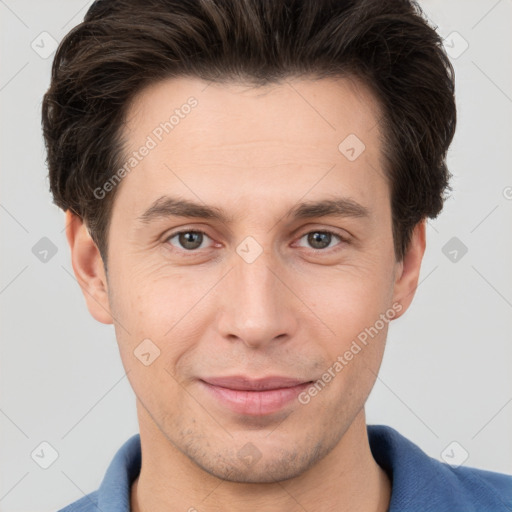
(249,466)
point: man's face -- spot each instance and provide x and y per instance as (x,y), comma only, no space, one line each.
(262,291)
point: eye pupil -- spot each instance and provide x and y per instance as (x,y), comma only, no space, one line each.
(191,240)
(319,240)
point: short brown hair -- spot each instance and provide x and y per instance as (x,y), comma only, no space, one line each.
(124,45)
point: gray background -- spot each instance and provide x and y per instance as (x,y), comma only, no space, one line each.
(446,374)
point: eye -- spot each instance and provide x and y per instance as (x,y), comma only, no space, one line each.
(320,240)
(188,240)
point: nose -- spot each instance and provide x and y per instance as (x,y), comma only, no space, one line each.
(256,307)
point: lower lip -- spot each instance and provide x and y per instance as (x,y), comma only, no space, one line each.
(255,403)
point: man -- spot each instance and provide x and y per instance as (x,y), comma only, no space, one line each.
(246,185)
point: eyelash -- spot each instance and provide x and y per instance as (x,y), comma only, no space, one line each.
(341,239)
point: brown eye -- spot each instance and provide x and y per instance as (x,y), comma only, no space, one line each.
(188,240)
(319,240)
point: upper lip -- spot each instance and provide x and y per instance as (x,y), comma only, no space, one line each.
(242,383)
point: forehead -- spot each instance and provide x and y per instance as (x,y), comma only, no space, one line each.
(252,142)
(308,108)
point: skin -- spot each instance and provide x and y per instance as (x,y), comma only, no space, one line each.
(254,153)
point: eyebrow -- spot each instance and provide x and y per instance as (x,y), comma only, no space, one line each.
(167,206)
(339,207)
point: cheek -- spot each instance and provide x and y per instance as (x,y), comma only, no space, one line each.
(348,299)
(152,298)
(150,315)
(166,308)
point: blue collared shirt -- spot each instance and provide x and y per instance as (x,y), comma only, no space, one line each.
(419,482)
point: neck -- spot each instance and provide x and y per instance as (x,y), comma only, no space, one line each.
(347,479)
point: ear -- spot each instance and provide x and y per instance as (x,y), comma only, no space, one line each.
(88,268)
(408,270)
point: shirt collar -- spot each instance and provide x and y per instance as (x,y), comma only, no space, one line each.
(419,482)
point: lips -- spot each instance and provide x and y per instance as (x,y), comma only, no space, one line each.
(253,397)
(242,383)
